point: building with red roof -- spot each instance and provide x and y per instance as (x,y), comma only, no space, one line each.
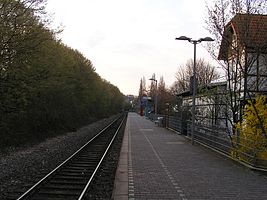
(244,49)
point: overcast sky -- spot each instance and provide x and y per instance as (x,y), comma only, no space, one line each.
(129,39)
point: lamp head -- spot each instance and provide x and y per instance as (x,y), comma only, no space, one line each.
(183,38)
(207,39)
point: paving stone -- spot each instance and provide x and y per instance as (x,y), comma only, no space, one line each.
(164,165)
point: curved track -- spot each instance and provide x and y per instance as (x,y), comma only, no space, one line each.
(72,178)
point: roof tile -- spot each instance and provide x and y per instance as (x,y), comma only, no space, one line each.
(251,32)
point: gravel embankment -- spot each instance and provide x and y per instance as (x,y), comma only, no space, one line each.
(21,167)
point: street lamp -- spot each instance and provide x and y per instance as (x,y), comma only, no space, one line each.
(194,42)
(156,98)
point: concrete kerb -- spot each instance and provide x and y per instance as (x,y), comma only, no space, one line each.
(120,190)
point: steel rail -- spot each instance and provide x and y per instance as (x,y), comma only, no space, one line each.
(24,195)
(100,162)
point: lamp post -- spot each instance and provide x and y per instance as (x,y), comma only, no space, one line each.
(194,42)
(156,98)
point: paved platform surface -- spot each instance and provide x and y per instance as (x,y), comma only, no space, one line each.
(164,165)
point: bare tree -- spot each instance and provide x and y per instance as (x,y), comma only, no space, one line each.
(240,35)
(165,97)
(142,93)
(220,12)
(174,88)
(153,87)
(205,73)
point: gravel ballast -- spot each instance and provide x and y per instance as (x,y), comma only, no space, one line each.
(22,167)
(103,184)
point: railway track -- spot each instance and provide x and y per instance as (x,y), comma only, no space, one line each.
(73,178)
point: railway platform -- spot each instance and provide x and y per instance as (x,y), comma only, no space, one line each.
(157,163)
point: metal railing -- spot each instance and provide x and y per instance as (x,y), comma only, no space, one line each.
(251,152)
(175,123)
(213,136)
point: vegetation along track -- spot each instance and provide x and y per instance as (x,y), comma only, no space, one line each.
(73,178)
